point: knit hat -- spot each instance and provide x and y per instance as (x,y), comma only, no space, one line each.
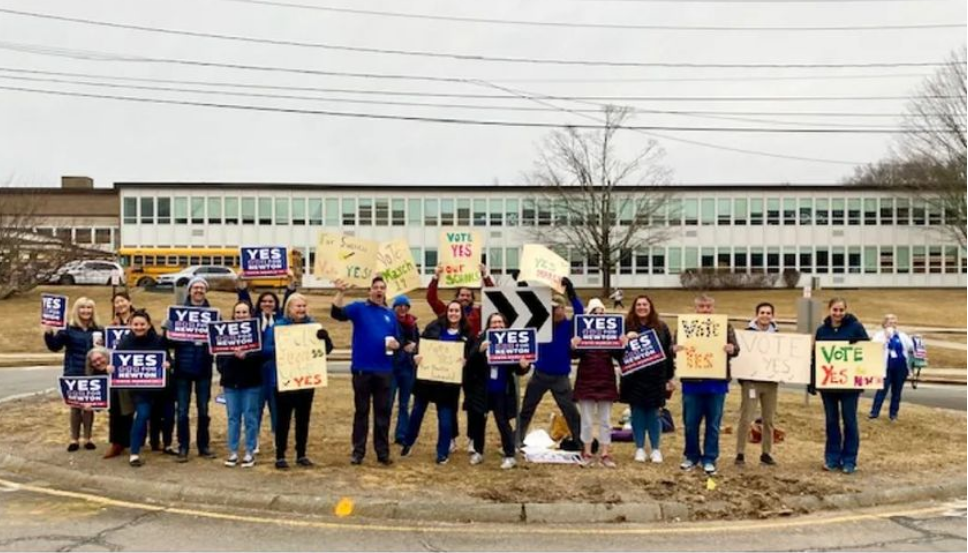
(401,300)
(594,304)
(197,280)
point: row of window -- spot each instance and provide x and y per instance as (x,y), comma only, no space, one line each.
(80,235)
(335,212)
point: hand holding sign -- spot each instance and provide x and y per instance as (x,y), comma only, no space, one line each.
(53,311)
(264,261)
(460,259)
(539,264)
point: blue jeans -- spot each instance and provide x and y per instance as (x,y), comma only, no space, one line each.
(139,426)
(267,397)
(841,447)
(401,384)
(242,405)
(695,409)
(646,420)
(896,376)
(203,392)
(445,414)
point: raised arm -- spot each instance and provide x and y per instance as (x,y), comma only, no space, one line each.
(432,298)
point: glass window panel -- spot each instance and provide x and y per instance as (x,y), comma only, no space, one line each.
(529,213)
(708,206)
(164,211)
(756,211)
(198,211)
(82,236)
(691,258)
(334,214)
(903,211)
(625,212)
(822,212)
(773,260)
(147,211)
(642,261)
(887,211)
(544,212)
(707,259)
(870,211)
(447,213)
(365,212)
(837,211)
(398,212)
(773,211)
(823,260)
(887,259)
(740,211)
(496,212)
(853,260)
(919,261)
(348,210)
(806,260)
(418,258)
(299,211)
(757,260)
(789,211)
(495,260)
(675,260)
(951,259)
(853,211)
(314,210)
(431,211)
(838,260)
(232,211)
(870,260)
(918,213)
(480,213)
(511,216)
(102,236)
(658,261)
(690,212)
(430,260)
(265,211)
(903,260)
(740,260)
(806,211)
(463,213)
(724,211)
(674,212)
(934,213)
(282,211)
(415,212)
(935,260)
(181,210)
(789,258)
(511,259)
(130,210)
(214,211)
(382,217)
(248,211)
(722,258)
(625,262)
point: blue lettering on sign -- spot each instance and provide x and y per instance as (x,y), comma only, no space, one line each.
(227,337)
(644,351)
(190,324)
(138,369)
(512,345)
(599,331)
(264,261)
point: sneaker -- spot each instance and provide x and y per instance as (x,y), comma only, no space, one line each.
(206,453)
(182,456)
(248,461)
(849,469)
(476,458)
(608,462)
(640,455)
(453,446)
(687,465)
(356,460)
(740,460)
(386,461)
(90,446)
(256,451)
(282,464)
(135,461)
(305,462)
(656,456)
(470,447)
(169,451)
(766,459)
(232,460)
(73,447)
(509,463)
(586,460)
(871,417)
(830,467)
(442,460)
(406,450)
(709,469)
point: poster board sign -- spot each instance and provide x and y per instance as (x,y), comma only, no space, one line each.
(460,258)
(772,357)
(264,261)
(300,357)
(114,334)
(225,337)
(512,345)
(86,392)
(703,338)
(138,369)
(441,361)
(346,258)
(53,311)
(395,262)
(600,331)
(189,324)
(642,352)
(846,366)
(539,264)
(920,350)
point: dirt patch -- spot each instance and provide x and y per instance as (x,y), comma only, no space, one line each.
(925,445)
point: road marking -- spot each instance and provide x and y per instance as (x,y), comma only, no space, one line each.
(481,528)
(27,395)
(957,509)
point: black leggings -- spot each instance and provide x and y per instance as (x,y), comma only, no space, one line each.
(477,424)
(300,402)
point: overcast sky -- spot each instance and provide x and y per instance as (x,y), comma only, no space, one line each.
(43,137)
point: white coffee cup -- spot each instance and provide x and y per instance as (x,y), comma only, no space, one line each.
(98,338)
(386,342)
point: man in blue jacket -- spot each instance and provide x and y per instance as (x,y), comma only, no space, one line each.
(553,367)
(376,335)
(193,367)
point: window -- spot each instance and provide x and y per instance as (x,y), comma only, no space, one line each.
(625,212)
(837,211)
(934,213)
(130,210)
(773,211)
(789,211)
(528,213)
(741,260)
(821,212)
(642,261)
(248,211)
(657,209)
(430,260)
(593,265)
(853,211)
(740,207)
(447,213)
(935,261)
(415,212)
(919,260)
(870,260)
(164,211)
(576,262)
(887,259)
(708,207)
(806,260)
(265,211)
(147,211)
(511,216)
(722,258)
(215,211)
(838,262)
(918,213)
(365,212)
(496,212)
(757,260)
(231,211)
(348,211)
(675,260)
(82,236)
(707,258)
(853,260)
(103,236)
(806,211)
(181,210)
(887,211)
(198,211)
(398,212)
(479,215)
(625,262)
(463,213)
(870,211)
(299,211)
(903,211)
(690,258)
(773,260)
(382,213)
(756,211)
(951,259)
(495,260)
(789,258)
(724,211)
(690,210)
(903,260)
(544,212)
(417,255)
(658,261)
(823,260)
(430,213)
(511,259)
(332,215)
(674,212)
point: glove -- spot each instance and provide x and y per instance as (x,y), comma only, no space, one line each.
(322,334)
(569,287)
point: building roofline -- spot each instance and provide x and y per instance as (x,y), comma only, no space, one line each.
(409,187)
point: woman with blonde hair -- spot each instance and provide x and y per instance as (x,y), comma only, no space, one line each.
(76,339)
(898,356)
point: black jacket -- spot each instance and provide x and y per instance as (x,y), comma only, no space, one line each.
(850,330)
(240,373)
(646,387)
(439,392)
(149,342)
(476,373)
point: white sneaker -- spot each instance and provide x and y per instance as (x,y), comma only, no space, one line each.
(256,451)
(232,460)
(453,446)
(709,468)
(509,463)
(470,446)
(248,461)
(687,465)
(476,458)
(640,455)
(656,456)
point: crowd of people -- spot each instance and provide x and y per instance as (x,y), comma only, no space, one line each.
(385,366)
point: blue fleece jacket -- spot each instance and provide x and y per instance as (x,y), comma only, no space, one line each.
(372,323)
(554,357)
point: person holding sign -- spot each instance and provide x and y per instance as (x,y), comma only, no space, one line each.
(753,389)
(553,367)
(898,358)
(703,399)
(242,385)
(452,327)
(595,391)
(76,339)
(121,410)
(843,444)
(376,335)
(490,389)
(143,338)
(300,401)
(645,390)
(404,368)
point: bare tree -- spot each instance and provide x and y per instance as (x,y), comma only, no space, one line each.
(605,206)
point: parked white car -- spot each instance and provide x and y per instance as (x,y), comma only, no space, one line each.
(88,272)
(217,277)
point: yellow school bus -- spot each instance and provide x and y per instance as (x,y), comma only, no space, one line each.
(143,266)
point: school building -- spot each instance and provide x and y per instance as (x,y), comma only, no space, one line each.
(845,236)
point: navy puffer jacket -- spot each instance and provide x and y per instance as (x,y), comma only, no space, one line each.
(192,359)
(76,341)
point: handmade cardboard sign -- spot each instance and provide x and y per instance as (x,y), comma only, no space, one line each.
(539,264)
(346,258)
(441,361)
(511,346)
(846,366)
(772,357)
(226,337)
(395,262)
(599,331)
(460,257)
(300,357)
(703,338)
(264,261)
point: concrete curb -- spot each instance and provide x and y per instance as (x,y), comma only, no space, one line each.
(457,512)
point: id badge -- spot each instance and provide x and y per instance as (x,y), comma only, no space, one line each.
(494,373)
(893,354)
(752,393)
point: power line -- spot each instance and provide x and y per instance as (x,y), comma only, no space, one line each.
(456,56)
(450,120)
(576,25)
